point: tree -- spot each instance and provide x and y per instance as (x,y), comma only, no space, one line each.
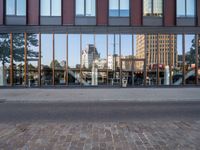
(56,64)
(18,50)
(18,47)
(191,55)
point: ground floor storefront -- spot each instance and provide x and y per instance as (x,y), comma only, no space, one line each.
(124,60)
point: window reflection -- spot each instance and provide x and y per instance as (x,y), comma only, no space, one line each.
(185,8)
(113,60)
(60,59)
(101,45)
(177,70)
(153,8)
(46,59)
(50,7)
(33,59)
(16,7)
(4,59)
(86,8)
(190,59)
(18,59)
(119,8)
(74,59)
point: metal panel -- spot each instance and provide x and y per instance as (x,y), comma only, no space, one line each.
(119,21)
(33,12)
(102,12)
(15,20)
(169,12)
(68,12)
(50,20)
(136,12)
(85,20)
(1,12)
(152,21)
(186,21)
(99,29)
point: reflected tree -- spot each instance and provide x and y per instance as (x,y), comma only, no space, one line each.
(191,55)
(18,47)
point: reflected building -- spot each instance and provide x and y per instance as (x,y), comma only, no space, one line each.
(89,56)
(153,53)
(113,62)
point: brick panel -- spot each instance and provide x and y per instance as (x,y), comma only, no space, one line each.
(102,12)
(33,12)
(169,12)
(136,12)
(68,12)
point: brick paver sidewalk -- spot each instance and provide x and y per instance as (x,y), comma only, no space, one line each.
(183,135)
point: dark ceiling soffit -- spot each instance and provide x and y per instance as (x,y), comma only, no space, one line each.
(99,30)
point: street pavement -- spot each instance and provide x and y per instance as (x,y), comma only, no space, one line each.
(88,119)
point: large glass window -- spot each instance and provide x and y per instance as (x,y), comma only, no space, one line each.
(16,7)
(119,8)
(185,8)
(85,7)
(33,59)
(46,59)
(153,8)
(4,59)
(50,8)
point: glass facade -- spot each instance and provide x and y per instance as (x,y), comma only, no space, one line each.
(50,7)
(16,7)
(118,8)
(185,8)
(86,8)
(153,8)
(99,59)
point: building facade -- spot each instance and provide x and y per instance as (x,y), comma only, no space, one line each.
(143,42)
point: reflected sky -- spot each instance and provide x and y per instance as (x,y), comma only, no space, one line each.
(74,46)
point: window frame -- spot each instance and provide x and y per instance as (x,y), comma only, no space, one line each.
(15,9)
(85,9)
(119,9)
(152,14)
(51,10)
(185,10)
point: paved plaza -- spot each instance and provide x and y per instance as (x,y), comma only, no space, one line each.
(100,119)
(153,135)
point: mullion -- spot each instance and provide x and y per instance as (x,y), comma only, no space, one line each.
(152,7)
(119,8)
(51,8)
(185,7)
(15,7)
(84,8)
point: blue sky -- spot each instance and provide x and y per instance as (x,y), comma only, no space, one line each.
(74,46)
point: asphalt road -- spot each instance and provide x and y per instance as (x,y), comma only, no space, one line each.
(99,111)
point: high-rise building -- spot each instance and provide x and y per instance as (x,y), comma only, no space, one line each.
(158,52)
(89,55)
